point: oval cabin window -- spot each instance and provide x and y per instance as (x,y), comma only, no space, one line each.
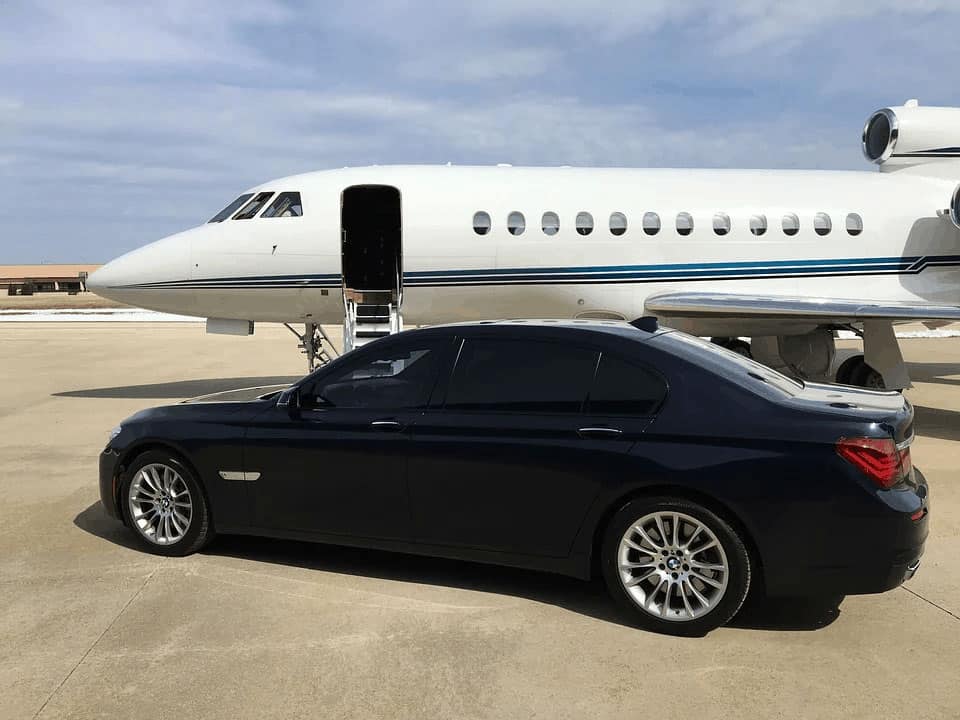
(516,223)
(481,223)
(684,223)
(791,224)
(822,224)
(651,223)
(550,223)
(584,223)
(618,223)
(721,223)
(758,225)
(854,224)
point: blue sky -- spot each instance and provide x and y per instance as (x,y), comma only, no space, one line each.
(121,122)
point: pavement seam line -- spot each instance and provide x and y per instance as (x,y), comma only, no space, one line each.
(931,602)
(100,637)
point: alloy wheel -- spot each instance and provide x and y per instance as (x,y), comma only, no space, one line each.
(673,566)
(160,504)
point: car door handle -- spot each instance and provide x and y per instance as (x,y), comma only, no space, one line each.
(386,425)
(608,432)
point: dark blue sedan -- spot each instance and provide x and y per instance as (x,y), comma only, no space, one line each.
(682,472)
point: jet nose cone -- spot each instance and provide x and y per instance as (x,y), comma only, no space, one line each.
(140,277)
(99,280)
(114,278)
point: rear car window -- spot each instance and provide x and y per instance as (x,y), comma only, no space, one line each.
(625,388)
(521,376)
(724,362)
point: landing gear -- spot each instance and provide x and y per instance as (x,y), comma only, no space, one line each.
(733,344)
(856,371)
(881,367)
(311,344)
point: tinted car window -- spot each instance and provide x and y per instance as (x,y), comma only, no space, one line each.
(730,364)
(521,376)
(401,378)
(623,388)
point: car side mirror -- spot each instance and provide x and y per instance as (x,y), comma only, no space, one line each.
(290,399)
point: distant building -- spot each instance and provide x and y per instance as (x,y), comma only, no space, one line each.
(30,279)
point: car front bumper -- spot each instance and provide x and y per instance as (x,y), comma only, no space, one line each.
(110,482)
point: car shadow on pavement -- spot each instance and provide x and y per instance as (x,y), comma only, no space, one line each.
(808,613)
(179,388)
(586,598)
(95,521)
(937,422)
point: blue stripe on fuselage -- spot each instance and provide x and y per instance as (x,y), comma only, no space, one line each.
(594,274)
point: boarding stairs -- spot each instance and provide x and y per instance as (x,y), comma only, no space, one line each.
(368,315)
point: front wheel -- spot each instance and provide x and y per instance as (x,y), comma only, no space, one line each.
(165,505)
(676,566)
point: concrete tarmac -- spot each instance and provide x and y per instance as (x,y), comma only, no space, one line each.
(253,628)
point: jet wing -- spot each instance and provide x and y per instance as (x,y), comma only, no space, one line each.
(768,307)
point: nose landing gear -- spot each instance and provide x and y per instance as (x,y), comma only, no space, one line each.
(311,345)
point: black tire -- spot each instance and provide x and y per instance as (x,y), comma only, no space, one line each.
(849,368)
(866,377)
(736,345)
(856,372)
(740,348)
(200,528)
(738,562)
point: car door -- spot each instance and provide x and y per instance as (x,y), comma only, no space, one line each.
(503,464)
(336,464)
(624,398)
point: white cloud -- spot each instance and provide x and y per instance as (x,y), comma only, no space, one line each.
(738,25)
(173,32)
(159,112)
(490,64)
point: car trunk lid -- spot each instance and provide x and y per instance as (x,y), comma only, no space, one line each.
(890,412)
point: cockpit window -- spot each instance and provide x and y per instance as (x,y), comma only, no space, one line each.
(287,204)
(230,209)
(253,207)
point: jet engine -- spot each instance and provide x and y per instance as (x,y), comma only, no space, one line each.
(907,135)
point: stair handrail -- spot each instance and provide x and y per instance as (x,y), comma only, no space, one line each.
(349,325)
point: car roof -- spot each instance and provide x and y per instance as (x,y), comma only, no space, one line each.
(515,327)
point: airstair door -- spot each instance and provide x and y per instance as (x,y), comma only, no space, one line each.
(371,262)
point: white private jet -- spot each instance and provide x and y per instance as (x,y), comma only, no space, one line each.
(785,258)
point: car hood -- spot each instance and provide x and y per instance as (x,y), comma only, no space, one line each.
(233,404)
(239,395)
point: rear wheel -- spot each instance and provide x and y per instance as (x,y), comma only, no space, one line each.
(675,565)
(740,347)
(865,376)
(165,506)
(856,371)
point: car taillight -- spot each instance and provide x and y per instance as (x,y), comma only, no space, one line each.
(878,458)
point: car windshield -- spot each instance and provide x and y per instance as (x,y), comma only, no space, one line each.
(731,363)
